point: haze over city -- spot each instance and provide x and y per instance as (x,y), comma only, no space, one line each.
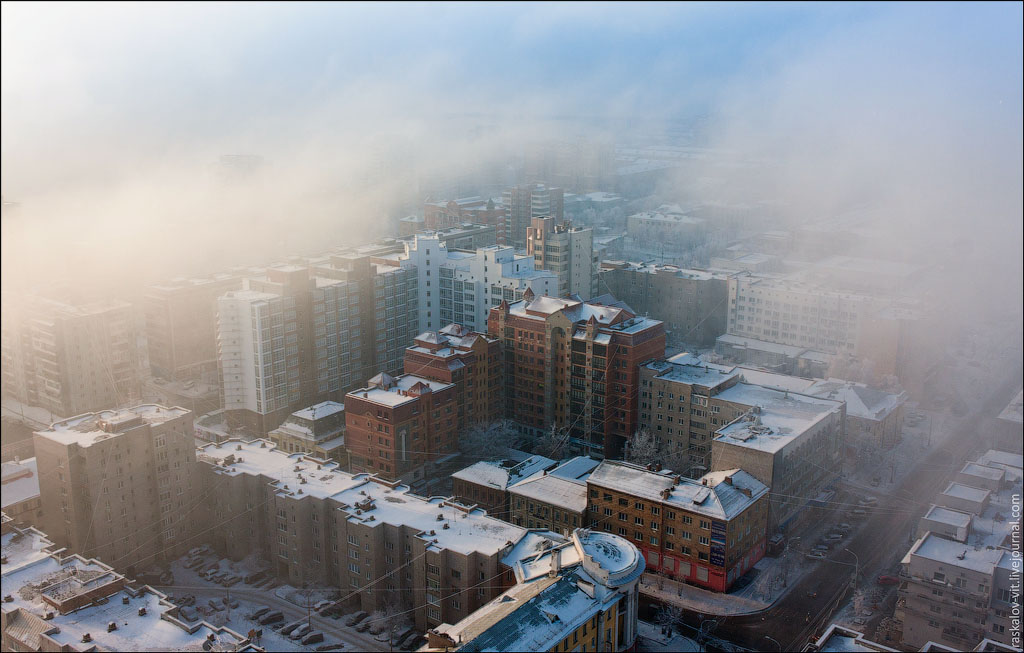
(580,281)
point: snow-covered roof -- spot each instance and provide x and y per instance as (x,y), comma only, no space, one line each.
(298,476)
(966,492)
(861,400)
(776,381)
(569,494)
(499,475)
(34,574)
(20,481)
(720,495)
(87,429)
(692,370)
(1014,411)
(1013,463)
(948,516)
(837,639)
(956,554)
(558,590)
(777,418)
(320,410)
(984,471)
(391,391)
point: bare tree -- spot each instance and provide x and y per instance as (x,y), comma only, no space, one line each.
(642,448)
(551,444)
(668,616)
(490,441)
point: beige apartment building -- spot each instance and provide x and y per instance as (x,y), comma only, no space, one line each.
(118,485)
(374,539)
(69,358)
(567,251)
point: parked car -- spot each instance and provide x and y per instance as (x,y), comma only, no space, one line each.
(363,627)
(314,637)
(231,581)
(843,526)
(271,617)
(254,577)
(259,612)
(888,580)
(834,537)
(816,555)
(289,627)
(216,604)
(869,501)
(300,632)
(859,513)
(355,618)
(192,563)
(414,643)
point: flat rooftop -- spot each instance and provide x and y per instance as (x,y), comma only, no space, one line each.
(685,368)
(87,429)
(394,391)
(781,417)
(956,554)
(20,482)
(299,475)
(948,516)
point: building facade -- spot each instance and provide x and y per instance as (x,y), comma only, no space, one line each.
(70,359)
(706,532)
(578,596)
(372,538)
(574,365)
(525,202)
(396,425)
(121,484)
(181,326)
(554,499)
(318,430)
(469,360)
(475,210)
(567,251)
(693,304)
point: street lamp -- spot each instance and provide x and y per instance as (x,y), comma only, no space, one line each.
(774,642)
(856,568)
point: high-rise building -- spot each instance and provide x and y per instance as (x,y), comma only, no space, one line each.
(462,286)
(470,360)
(181,326)
(302,334)
(524,203)
(396,425)
(574,365)
(567,251)
(120,484)
(70,359)
(693,304)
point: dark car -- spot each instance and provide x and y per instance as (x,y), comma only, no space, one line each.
(888,580)
(314,637)
(271,617)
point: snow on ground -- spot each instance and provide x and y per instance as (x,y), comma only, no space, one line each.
(300,596)
(652,639)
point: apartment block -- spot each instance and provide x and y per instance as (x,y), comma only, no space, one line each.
(318,430)
(578,596)
(486,483)
(525,202)
(669,225)
(567,251)
(706,532)
(396,425)
(373,538)
(120,484)
(298,335)
(472,361)
(554,499)
(475,210)
(462,286)
(574,365)
(790,442)
(693,304)
(68,358)
(58,601)
(960,580)
(181,326)
(19,490)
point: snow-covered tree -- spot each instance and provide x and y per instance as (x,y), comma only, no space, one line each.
(490,441)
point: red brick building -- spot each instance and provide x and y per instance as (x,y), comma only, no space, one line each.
(443,215)
(396,425)
(575,364)
(706,532)
(471,361)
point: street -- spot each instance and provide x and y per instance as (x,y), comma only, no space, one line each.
(876,548)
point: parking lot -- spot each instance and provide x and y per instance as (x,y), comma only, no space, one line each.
(245,598)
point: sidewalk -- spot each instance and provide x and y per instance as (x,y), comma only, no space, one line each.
(652,639)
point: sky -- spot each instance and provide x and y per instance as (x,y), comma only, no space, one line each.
(112,113)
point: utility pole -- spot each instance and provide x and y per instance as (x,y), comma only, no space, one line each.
(856,568)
